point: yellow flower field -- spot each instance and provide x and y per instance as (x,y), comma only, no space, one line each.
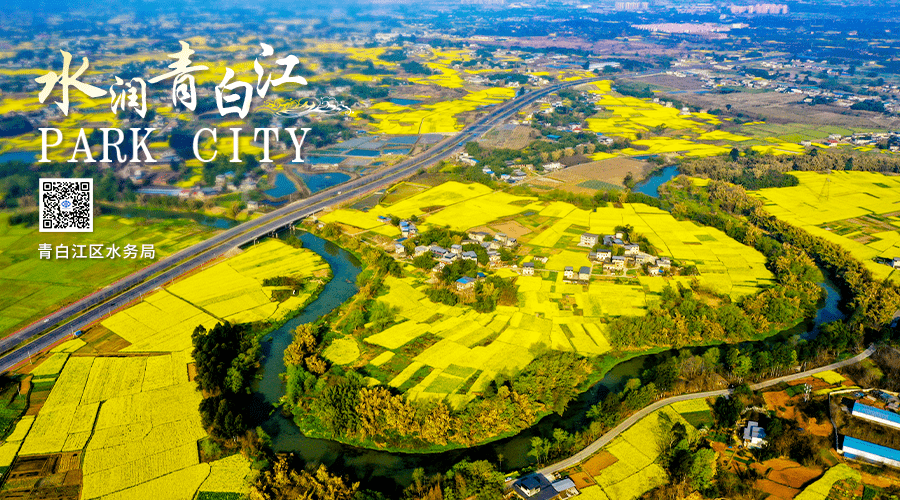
(856,210)
(229,291)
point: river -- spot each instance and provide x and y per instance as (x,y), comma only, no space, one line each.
(387,472)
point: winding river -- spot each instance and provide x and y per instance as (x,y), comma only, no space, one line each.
(388,472)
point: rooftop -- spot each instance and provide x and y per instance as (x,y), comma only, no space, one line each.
(874,449)
(871,411)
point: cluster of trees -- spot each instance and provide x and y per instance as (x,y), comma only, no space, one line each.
(755,171)
(12,125)
(287,481)
(477,480)
(19,182)
(226,357)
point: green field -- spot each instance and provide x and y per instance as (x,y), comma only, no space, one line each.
(35,287)
(859,211)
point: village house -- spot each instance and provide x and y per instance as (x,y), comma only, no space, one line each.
(584,273)
(420,250)
(644,258)
(754,435)
(457,249)
(528,269)
(478,236)
(610,240)
(568,273)
(511,242)
(501,237)
(632,249)
(600,256)
(465,283)
(470,255)
(617,262)
(664,263)
(896,262)
(399,249)
(588,240)
(493,257)
(449,258)
(438,252)
(654,271)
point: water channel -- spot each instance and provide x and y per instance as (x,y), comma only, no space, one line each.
(385,471)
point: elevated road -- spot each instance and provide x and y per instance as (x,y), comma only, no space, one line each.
(628,422)
(19,346)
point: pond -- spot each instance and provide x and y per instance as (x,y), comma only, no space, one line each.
(22,156)
(650,186)
(389,472)
(403,102)
(283,187)
(319,182)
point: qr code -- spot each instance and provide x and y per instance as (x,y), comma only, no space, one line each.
(67,205)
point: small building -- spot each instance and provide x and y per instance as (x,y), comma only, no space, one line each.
(478,235)
(644,258)
(754,435)
(664,263)
(470,255)
(896,263)
(465,283)
(252,205)
(493,256)
(511,242)
(438,251)
(584,273)
(858,449)
(449,258)
(399,249)
(420,250)
(632,249)
(528,269)
(564,488)
(588,239)
(654,271)
(600,255)
(618,262)
(501,237)
(876,415)
(495,245)
(568,273)
(457,249)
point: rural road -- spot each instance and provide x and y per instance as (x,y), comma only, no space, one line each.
(628,422)
(40,335)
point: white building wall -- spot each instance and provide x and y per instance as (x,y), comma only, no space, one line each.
(871,456)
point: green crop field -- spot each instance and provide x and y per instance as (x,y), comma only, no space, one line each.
(859,211)
(42,286)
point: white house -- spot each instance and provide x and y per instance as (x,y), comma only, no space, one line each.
(588,239)
(896,262)
(632,249)
(618,262)
(528,269)
(568,273)
(754,435)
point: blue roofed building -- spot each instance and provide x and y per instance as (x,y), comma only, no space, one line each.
(538,487)
(876,415)
(858,449)
(465,283)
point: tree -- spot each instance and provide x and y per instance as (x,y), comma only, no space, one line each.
(727,410)
(703,468)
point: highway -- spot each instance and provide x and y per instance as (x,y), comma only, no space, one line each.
(628,422)
(40,335)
